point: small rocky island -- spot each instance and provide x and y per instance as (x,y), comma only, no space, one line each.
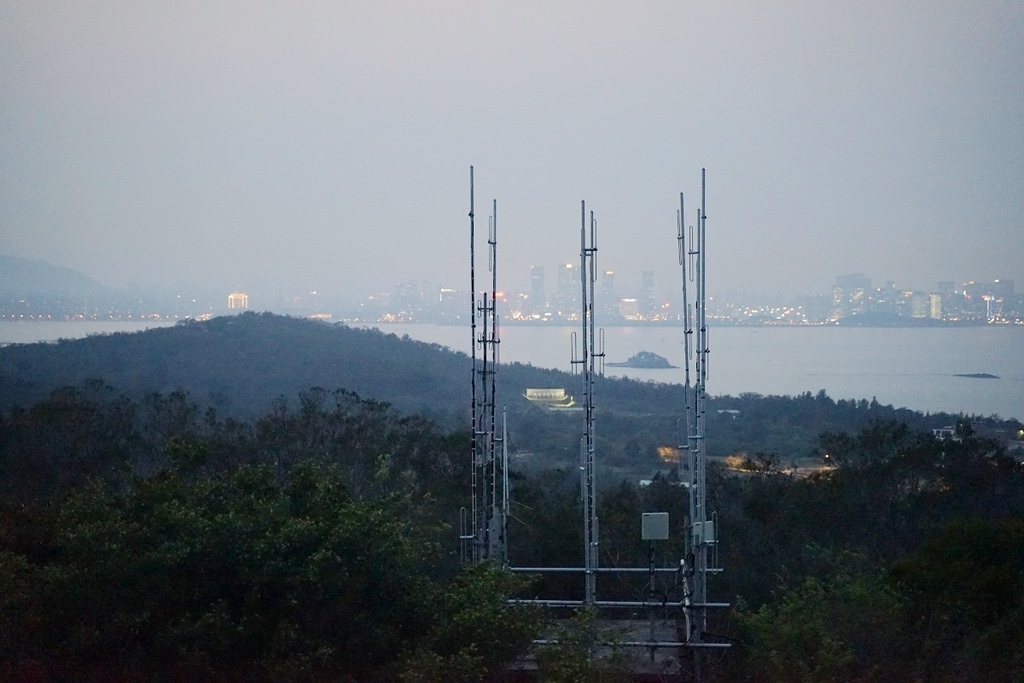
(977,375)
(646,360)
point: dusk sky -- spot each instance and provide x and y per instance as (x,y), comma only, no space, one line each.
(282,148)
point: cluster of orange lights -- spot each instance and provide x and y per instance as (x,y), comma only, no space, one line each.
(668,453)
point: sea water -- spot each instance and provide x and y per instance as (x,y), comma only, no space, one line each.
(921,368)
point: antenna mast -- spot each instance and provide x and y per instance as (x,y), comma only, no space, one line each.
(483,534)
(495,525)
(468,527)
(591,353)
(699,539)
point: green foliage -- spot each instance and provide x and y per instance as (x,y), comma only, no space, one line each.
(819,605)
(542,531)
(237,574)
(74,435)
(840,628)
(77,435)
(965,590)
(463,643)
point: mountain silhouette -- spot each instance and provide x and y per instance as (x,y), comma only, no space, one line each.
(20,278)
(240,364)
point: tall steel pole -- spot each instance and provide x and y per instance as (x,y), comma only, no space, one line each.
(590,354)
(700,537)
(484,531)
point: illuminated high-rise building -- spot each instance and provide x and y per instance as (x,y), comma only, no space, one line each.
(850,295)
(609,302)
(566,301)
(538,302)
(647,302)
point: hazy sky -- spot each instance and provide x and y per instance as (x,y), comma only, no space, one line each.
(294,146)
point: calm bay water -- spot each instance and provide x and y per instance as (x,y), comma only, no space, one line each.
(914,368)
(28,331)
(906,367)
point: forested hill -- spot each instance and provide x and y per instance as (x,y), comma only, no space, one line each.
(240,365)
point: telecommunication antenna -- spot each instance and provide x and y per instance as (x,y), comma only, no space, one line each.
(483,533)
(591,360)
(700,538)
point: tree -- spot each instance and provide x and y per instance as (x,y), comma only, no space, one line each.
(475,631)
(242,575)
(841,628)
(964,588)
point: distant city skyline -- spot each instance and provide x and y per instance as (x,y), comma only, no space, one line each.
(31,289)
(627,283)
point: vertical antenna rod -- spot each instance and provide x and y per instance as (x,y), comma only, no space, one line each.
(590,353)
(483,534)
(494,524)
(700,538)
(698,494)
(472,553)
